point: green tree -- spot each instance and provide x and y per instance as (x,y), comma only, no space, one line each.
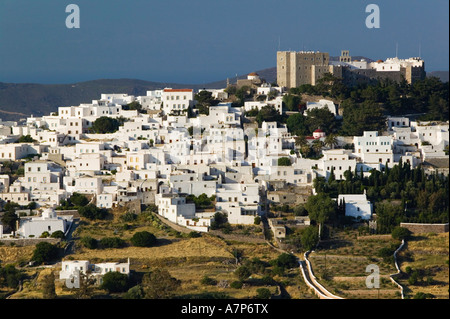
(268,114)
(44,252)
(208,281)
(296,124)
(284,161)
(105,124)
(360,117)
(89,242)
(292,102)
(135,292)
(92,212)
(10,219)
(219,220)
(401,233)
(331,140)
(321,207)
(26,139)
(114,281)
(10,276)
(159,284)
(204,101)
(112,242)
(263,293)
(78,200)
(309,238)
(286,261)
(86,289)
(57,234)
(317,146)
(135,105)
(242,273)
(143,239)
(48,286)
(320,118)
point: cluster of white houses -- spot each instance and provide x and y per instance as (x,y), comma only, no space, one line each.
(162,155)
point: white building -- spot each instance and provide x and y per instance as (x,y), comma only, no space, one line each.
(356,205)
(48,222)
(239,201)
(338,160)
(322,104)
(176,210)
(177,99)
(71,269)
(372,148)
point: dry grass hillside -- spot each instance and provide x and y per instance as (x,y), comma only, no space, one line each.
(428,254)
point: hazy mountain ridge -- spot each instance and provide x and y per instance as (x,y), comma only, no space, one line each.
(20,100)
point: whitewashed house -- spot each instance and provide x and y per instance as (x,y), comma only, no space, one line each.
(356,205)
(71,269)
(47,222)
(372,148)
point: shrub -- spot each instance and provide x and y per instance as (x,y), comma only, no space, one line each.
(10,276)
(112,242)
(300,210)
(44,252)
(128,217)
(115,282)
(236,284)
(387,253)
(242,272)
(143,239)
(57,234)
(45,234)
(267,280)
(105,124)
(78,200)
(263,293)
(135,292)
(92,212)
(421,295)
(89,242)
(194,234)
(309,237)
(284,161)
(401,233)
(208,281)
(286,261)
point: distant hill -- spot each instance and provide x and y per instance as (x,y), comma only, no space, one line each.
(442,75)
(20,100)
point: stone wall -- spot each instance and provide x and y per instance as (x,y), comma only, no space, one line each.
(425,228)
(28,241)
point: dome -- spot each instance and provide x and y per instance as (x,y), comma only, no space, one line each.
(380,61)
(49,213)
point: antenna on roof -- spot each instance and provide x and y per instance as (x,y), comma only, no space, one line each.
(396,50)
(279,43)
(420,49)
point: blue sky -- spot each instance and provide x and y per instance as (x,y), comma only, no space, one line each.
(200,41)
